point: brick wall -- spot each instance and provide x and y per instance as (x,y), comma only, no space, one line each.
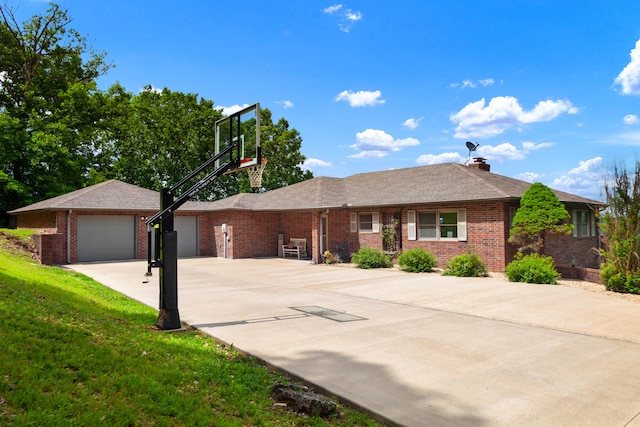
(50,248)
(567,250)
(42,222)
(486,234)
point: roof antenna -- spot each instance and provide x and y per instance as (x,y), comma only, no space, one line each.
(472,147)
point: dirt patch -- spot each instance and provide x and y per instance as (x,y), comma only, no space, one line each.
(16,245)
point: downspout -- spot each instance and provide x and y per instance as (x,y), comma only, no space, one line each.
(69,236)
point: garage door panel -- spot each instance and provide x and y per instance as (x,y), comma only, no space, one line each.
(106,237)
(187,228)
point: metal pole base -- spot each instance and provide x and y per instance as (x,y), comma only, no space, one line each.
(168,319)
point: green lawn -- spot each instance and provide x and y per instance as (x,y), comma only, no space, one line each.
(74,352)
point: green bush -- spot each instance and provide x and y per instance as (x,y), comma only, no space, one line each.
(370,258)
(466,265)
(417,260)
(616,279)
(532,268)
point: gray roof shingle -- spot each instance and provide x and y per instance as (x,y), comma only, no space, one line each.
(447,182)
(441,183)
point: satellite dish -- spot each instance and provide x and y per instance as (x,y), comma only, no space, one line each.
(472,147)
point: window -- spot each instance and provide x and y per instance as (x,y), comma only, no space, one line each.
(427,225)
(365,222)
(437,225)
(448,225)
(584,224)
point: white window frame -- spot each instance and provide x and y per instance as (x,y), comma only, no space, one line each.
(413,226)
(356,222)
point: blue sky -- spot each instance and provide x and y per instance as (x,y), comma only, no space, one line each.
(549,89)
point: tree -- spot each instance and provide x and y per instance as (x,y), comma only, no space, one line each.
(540,213)
(161,136)
(620,223)
(48,107)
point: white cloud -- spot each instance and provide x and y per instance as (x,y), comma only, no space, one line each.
(626,138)
(629,77)
(227,111)
(347,16)
(478,120)
(285,104)
(432,159)
(631,119)
(546,111)
(506,151)
(412,123)
(471,84)
(585,180)
(377,143)
(333,9)
(361,98)
(529,176)
(498,153)
(314,163)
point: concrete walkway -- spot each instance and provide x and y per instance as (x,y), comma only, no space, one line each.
(418,349)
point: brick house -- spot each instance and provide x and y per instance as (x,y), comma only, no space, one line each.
(444,208)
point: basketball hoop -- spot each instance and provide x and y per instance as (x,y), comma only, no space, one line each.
(255,173)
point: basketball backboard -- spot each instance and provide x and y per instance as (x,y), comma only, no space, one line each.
(241,128)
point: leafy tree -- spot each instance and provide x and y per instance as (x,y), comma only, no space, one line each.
(620,223)
(162,136)
(540,213)
(158,137)
(48,107)
(58,132)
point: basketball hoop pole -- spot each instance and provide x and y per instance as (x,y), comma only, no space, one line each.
(166,256)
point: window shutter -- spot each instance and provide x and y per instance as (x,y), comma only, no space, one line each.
(462,225)
(354,222)
(575,222)
(592,232)
(411,225)
(375,222)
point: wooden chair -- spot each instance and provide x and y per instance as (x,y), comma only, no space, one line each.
(296,247)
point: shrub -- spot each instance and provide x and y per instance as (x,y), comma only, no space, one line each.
(616,279)
(532,268)
(466,265)
(417,260)
(370,258)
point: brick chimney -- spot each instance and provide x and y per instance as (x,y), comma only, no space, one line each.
(480,163)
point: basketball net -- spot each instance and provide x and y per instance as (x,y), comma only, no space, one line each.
(255,174)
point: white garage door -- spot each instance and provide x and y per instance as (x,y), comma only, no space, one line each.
(106,237)
(187,228)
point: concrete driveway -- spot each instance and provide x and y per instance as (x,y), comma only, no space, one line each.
(417,349)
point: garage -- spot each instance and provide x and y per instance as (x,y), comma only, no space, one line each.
(187,228)
(106,237)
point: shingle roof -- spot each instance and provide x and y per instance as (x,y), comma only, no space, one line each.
(108,195)
(447,182)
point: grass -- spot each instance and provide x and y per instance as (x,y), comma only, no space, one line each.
(77,353)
